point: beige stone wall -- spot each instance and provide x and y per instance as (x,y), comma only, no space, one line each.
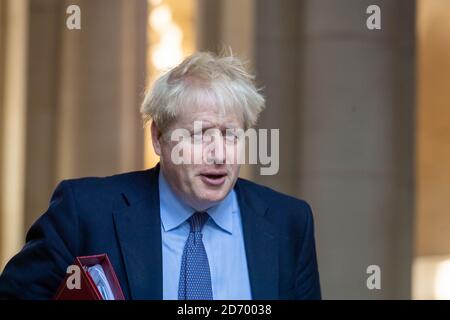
(433,129)
(12,125)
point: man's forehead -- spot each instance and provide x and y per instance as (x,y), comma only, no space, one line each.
(204,107)
(212,116)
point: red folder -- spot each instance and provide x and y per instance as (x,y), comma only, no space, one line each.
(88,290)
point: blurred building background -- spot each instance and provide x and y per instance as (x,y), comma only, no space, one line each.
(364,116)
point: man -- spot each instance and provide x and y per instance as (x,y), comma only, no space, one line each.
(186,229)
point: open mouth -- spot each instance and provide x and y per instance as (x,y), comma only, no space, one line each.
(214,179)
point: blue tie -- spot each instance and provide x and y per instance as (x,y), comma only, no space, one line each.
(195,277)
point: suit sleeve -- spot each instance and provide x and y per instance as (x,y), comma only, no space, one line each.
(307,281)
(51,245)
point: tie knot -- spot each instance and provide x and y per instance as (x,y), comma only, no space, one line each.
(197,220)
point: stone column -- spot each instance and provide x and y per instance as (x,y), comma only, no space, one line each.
(102,79)
(13,66)
(84,91)
(343,97)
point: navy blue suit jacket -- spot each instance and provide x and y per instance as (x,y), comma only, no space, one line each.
(119,215)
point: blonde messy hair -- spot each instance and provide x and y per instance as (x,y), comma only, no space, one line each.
(221,79)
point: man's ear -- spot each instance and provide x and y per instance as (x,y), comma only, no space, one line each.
(156,138)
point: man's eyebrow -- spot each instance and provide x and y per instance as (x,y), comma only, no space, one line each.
(206,125)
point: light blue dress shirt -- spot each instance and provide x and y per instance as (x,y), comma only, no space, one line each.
(223,239)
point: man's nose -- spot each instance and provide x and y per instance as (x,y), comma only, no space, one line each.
(217,154)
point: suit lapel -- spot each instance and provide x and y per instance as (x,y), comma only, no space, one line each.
(138,226)
(261,244)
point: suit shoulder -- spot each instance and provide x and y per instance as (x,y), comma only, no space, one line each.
(274,197)
(93,181)
(106,186)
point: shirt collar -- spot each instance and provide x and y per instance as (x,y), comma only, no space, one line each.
(174,211)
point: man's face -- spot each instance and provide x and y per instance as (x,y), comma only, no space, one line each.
(211,174)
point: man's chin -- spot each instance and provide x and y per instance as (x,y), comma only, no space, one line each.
(211,197)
